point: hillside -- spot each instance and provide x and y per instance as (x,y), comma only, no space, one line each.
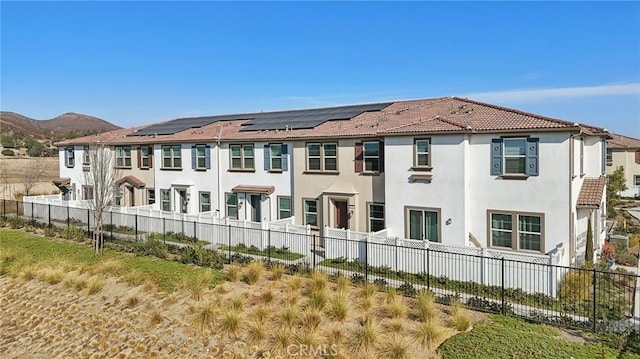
(54,128)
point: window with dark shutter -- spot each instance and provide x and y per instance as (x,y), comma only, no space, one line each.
(638,157)
(496,157)
(532,157)
(359,157)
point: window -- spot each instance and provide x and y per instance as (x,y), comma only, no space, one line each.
(205,201)
(151,196)
(201,157)
(514,156)
(516,231)
(421,150)
(242,157)
(171,157)
(636,180)
(609,159)
(369,157)
(165,200)
(376,217)
(145,157)
(582,157)
(117,196)
(69,159)
(311,212)
(87,192)
(276,157)
(232,205)
(86,157)
(123,156)
(322,156)
(423,224)
(284,207)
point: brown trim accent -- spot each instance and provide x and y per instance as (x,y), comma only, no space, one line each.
(514,230)
(427,209)
(267,190)
(62,181)
(132,180)
(359,157)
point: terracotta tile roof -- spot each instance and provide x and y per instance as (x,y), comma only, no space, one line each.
(620,141)
(591,192)
(132,180)
(62,181)
(437,115)
(253,189)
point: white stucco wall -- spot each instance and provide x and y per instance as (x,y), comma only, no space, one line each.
(280,180)
(193,181)
(76,173)
(446,191)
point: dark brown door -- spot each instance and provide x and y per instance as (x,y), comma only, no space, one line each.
(341,215)
(132,198)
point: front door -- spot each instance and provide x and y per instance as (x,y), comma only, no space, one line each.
(255,207)
(65,193)
(341,216)
(182,194)
(132,200)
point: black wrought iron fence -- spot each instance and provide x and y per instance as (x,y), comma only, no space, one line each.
(594,298)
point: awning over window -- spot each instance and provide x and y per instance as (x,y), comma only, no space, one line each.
(62,182)
(132,180)
(592,192)
(253,189)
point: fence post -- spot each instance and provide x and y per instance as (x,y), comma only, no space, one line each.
(4,208)
(18,208)
(229,243)
(366,258)
(195,234)
(269,245)
(32,216)
(164,232)
(68,221)
(595,297)
(88,221)
(111,223)
(49,214)
(136,219)
(313,252)
(502,292)
(427,271)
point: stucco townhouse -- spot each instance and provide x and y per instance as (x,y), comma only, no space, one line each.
(447,170)
(623,151)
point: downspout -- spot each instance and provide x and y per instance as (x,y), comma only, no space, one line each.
(219,174)
(572,234)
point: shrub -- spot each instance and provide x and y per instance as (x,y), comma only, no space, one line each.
(407,290)
(16,222)
(202,257)
(576,286)
(357,279)
(8,152)
(626,258)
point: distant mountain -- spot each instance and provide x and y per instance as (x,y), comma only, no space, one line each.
(66,125)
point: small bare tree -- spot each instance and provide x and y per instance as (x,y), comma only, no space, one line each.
(102,175)
(33,174)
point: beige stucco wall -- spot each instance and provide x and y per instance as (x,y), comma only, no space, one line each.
(358,189)
(627,159)
(145,175)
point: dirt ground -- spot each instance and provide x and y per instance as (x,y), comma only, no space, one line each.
(12,171)
(43,319)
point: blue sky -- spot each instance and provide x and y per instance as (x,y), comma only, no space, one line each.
(133,63)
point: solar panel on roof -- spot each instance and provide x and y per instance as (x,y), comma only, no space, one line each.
(294,119)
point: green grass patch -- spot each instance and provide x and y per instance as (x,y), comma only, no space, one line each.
(178,238)
(279,253)
(35,249)
(510,338)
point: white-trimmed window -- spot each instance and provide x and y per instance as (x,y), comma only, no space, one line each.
(284,207)
(231,201)
(322,156)
(276,157)
(376,217)
(201,157)
(87,192)
(171,157)
(636,180)
(69,158)
(422,152)
(123,156)
(205,201)
(151,196)
(516,231)
(423,224)
(117,195)
(145,157)
(609,158)
(86,156)
(242,157)
(165,200)
(311,212)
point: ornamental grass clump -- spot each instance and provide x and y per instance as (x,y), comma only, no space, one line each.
(253,272)
(277,271)
(425,308)
(395,347)
(339,306)
(428,334)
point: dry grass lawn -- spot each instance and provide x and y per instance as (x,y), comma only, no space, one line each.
(81,312)
(12,171)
